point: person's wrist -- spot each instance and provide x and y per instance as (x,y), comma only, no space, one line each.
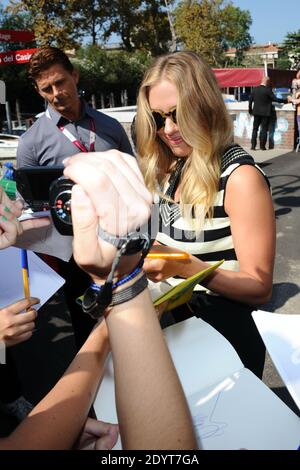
(121,288)
(127,264)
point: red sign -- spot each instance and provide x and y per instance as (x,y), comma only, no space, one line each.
(8,35)
(16,57)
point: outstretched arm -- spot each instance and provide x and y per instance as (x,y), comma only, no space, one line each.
(56,422)
(151,407)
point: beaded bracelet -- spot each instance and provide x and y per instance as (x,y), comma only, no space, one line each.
(122,281)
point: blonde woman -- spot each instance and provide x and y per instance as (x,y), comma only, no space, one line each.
(215,203)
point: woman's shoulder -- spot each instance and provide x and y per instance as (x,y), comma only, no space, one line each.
(235,155)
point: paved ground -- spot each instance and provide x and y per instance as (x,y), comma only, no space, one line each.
(283,170)
(42,360)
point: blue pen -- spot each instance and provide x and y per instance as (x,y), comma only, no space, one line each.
(25,272)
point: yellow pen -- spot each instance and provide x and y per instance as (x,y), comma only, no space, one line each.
(177,256)
(25,273)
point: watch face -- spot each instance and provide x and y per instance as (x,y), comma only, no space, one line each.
(136,243)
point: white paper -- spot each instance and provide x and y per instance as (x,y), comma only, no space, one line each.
(47,240)
(240,412)
(43,281)
(193,341)
(158,288)
(231,407)
(281,335)
(30,214)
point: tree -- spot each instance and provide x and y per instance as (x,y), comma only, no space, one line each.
(141,24)
(283,62)
(14,75)
(20,21)
(153,32)
(52,22)
(103,71)
(209,27)
(198,26)
(89,19)
(173,47)
(235,26)
(123,20)
(291,48)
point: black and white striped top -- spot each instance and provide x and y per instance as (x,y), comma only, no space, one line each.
(215,241)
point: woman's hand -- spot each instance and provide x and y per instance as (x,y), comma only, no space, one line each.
(17,321)
(97,435)
(10,227)
(110,192)
(160,269)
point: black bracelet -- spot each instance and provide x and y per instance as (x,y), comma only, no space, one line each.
(95,302)
(97,298)
(130,292)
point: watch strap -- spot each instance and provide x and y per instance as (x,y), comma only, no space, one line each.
(135,241)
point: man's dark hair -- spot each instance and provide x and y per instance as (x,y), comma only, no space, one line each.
(44,58)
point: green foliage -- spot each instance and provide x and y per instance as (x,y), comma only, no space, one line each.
(283,62)
(20,21)
(210,27)
(198,26)
(250,61)
(153,33)
(291,48)
(235,25)
(52,22)
(89,18)
(14,76)
(140,24)
(103,71)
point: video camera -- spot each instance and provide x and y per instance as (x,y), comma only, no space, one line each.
(44,189)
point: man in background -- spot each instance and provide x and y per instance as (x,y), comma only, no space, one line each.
(68,126)
(260,106)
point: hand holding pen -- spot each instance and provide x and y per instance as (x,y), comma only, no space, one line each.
(164,262)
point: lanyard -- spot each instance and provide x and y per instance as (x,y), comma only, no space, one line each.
(75,141)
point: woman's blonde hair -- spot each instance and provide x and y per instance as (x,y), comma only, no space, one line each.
(203,122)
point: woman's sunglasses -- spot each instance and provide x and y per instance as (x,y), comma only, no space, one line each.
(160,117)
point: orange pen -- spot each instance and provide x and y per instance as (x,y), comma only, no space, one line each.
(177,256)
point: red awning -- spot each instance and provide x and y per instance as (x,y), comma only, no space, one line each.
(239,77)
(253,77)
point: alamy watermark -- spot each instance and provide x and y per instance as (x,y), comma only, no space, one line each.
(2,92)
(2,353)
(180,225)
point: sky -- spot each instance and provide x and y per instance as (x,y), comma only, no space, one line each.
(271,19)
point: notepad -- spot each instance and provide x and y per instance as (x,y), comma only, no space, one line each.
(44,281)
(281,335)
(231,408)
(182,292)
